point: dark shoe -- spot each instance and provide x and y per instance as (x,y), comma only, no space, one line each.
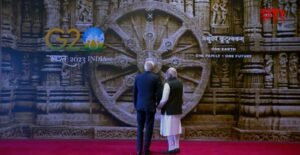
(165,152)
(170,152)
(177,150)
(147,152)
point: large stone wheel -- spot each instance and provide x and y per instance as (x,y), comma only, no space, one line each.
(155,31)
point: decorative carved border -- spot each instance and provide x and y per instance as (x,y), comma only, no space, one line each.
(63,132)
(267,135)
(16,131)
(94,132)
(208,133)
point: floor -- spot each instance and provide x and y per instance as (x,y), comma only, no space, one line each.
(127,147)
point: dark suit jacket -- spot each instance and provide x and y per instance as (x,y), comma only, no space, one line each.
(147,91)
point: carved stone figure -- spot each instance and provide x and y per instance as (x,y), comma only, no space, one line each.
(5,80)
(65,75)
(224,12)
(293,71)
(225,74)
(269,71)
(219,12)
(77,76)
(216,12)
(238,75)
(66,15)
(287,26)
(35,71)
(7,69)
(217,74)
(53,79)
(84,11)
(294,9)
(282,79)
(219,22)
(25,75)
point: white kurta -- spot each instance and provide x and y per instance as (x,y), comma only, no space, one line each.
(169,124)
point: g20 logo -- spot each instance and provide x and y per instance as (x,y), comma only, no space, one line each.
(93,39)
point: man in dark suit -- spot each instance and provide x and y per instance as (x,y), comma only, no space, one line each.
(147,94)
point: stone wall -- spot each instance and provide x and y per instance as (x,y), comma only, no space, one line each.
(226,95)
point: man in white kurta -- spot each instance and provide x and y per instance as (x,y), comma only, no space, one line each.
(170,106)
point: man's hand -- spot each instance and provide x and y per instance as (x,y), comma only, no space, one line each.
(160,106)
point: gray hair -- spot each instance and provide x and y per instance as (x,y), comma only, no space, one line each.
(149,66)
(171,73)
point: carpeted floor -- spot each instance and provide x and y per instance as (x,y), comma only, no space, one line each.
(127,147)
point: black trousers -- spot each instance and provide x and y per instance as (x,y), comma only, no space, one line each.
(145,119)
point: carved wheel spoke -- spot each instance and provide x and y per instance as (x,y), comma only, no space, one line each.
(124,52)
(128,82)
(134,25)
(129,42)
(169,43)
(188,78)
(126,72)
(163,31)
(149,35)
(187,47)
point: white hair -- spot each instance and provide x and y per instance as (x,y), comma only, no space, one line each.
(172,72)
(149,66)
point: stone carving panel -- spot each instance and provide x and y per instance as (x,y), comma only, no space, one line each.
(219,16)
(82,132)
(15,132)
(84,12)
(293,70)
(283,73)
(288,26)
(269,77)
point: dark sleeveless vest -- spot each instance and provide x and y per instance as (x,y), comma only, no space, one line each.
(174,103)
